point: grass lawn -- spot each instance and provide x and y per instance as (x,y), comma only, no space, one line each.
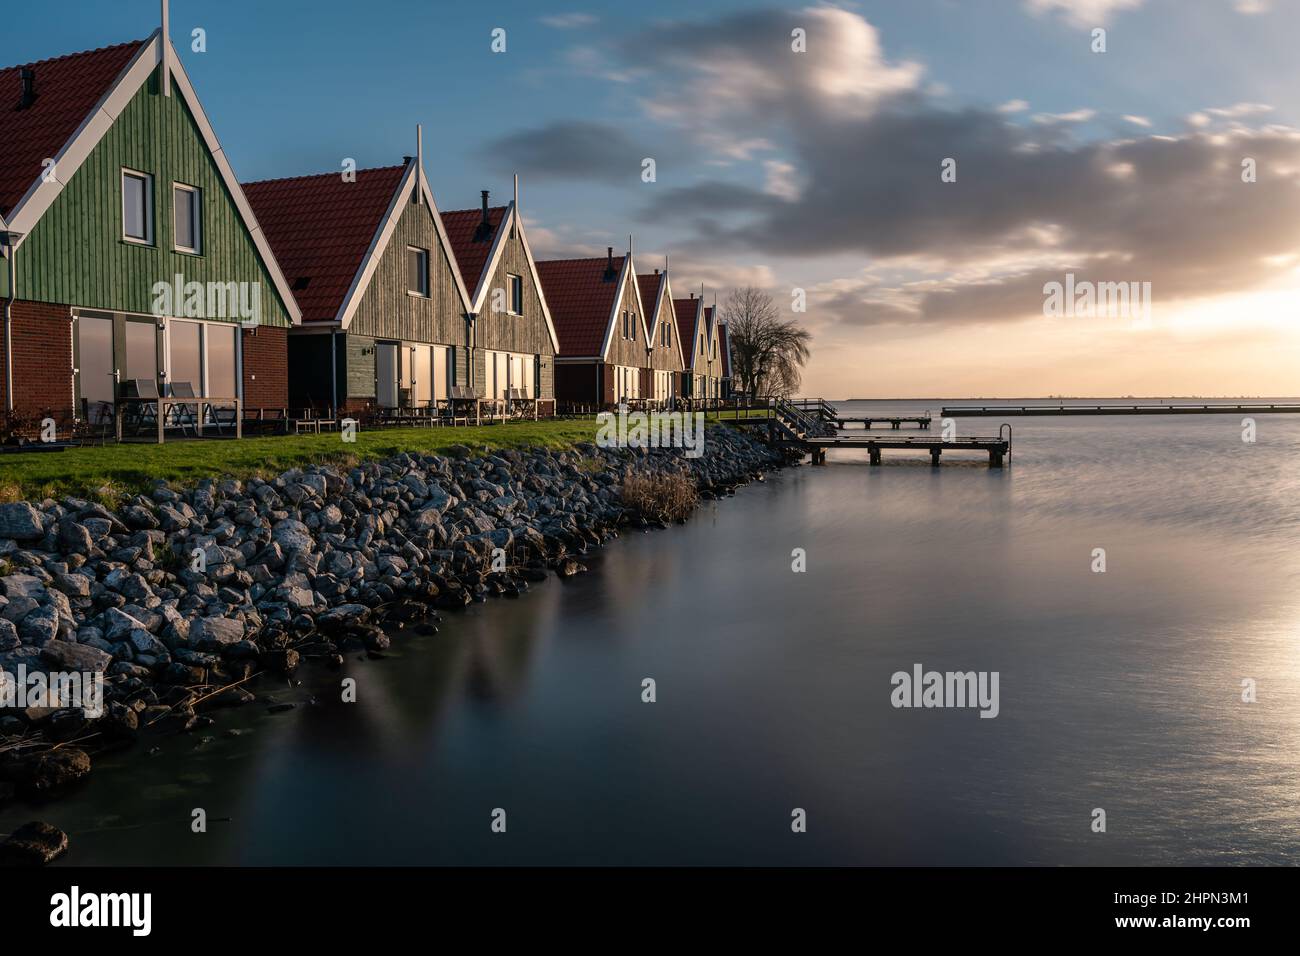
(104,474)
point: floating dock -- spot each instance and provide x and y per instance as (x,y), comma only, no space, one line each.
(969,411)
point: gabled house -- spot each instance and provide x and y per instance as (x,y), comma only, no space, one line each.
(663,377)
(596,305)
(130,252)
(724,353)
(712,354)
(513,342)
(699,347)
(384,310)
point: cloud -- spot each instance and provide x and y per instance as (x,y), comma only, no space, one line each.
(1074,116)
(1100,13)
(572,149)
(1083,13)
(568,21)
(854,175)
(742,67)
(1013,106)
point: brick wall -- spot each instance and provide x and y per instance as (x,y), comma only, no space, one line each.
(266,367)
(42,342)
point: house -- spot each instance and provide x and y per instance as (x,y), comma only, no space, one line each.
(662,379)
(596,305)
(130,251)
(724,351)
(712,353)
(513,342)
(384,310)
(696,329)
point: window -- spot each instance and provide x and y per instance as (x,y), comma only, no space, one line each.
(417,271)
(185,350)
(221,347)
(516,294)
(137,207)
(187,213)
(631,331)
(668,336)
(141,350)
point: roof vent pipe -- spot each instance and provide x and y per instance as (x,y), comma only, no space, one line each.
(484,230)
(29,88)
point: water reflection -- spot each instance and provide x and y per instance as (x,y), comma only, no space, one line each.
(1119,690)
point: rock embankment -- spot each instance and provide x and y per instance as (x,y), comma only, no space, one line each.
(179,596)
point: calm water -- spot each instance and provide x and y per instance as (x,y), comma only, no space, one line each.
(1118,690)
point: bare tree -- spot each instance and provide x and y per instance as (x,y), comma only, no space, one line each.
(767,352)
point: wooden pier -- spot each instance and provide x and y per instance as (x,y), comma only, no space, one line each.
(970,411)
(998,449)
(895,422)
(812,426)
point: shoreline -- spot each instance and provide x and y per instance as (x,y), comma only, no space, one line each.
(311,564)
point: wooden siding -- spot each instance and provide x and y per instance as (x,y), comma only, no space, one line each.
(76,254)
(665,357)
(624,351)
(360,366)
(502,331)
(388,311)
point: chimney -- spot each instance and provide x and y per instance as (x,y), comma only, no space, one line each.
(692,296)
(29,88)
(484,231)
(609,263)
(656,272)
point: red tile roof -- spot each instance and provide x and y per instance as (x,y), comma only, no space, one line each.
(320,229)
(67,89)
(471,254)
(685,311)
(581,300)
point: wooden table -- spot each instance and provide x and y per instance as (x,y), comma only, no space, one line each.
(163,404)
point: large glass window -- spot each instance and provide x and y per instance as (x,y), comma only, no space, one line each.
(503,374)
(442,371)
(422,370)
(141,350)
(137,206)
(222,369)
(186,356)
(95,366)
(186,215)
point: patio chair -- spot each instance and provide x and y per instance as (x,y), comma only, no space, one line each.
(183,416)
(142,405)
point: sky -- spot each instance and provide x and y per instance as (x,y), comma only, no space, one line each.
(818,173)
